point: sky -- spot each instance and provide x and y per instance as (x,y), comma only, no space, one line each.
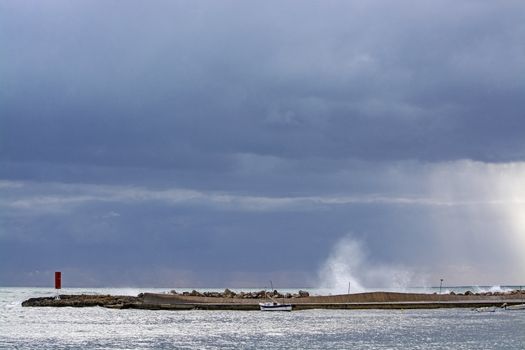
(229,143)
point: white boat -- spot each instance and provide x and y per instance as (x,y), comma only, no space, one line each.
(485,309)
(515,307)
(275,306)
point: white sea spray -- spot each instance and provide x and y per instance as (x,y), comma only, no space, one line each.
(348,268)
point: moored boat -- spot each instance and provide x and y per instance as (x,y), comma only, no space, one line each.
(274,306)
(515,307)
(485,309)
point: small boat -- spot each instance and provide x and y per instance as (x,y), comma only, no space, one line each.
(485,309)
(275,306)
(515,307)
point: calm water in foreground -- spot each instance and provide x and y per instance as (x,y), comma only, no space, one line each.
(99,328)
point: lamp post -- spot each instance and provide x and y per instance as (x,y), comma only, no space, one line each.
(440,284)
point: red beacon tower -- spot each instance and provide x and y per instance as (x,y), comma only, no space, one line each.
(58,283)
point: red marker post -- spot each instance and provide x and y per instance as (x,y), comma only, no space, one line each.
(58,280)
(58,283)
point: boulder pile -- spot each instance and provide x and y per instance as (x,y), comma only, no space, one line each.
(489,294)
(244,295)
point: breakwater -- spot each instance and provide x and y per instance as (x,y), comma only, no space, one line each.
(300,301)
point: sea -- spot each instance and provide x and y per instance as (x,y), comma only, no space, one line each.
(101,328)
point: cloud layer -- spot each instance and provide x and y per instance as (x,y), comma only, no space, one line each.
(464,223)
(189,138)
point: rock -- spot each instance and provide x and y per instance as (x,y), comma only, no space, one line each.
(173,291)
(275,294)
(468,292)
(452,293)
(228,293)
(303,294)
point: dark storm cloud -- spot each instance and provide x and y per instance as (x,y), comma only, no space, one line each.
(207,129)
(180,85)
(210,238)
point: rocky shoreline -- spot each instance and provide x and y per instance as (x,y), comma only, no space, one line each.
(229,300)
(83,300)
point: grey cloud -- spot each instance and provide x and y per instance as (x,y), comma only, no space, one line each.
(214,127)
(224,236)
(191,85)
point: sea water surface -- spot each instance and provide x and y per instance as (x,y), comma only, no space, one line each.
(100,328)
